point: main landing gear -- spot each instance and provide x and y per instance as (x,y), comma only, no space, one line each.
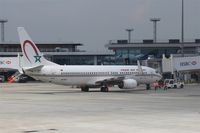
(104,89)
(148,87)
(85,89)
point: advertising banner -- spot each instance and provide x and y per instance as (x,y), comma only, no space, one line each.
(9,62)
(187,63)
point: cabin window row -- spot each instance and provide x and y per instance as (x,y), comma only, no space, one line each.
(100,73)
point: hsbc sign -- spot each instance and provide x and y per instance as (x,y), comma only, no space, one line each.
(189,63)
(186,63)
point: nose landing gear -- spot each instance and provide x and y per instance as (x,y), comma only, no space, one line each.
(148,87)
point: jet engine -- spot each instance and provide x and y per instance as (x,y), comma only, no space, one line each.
(128,84)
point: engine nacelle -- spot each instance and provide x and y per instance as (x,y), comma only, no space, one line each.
(128,84)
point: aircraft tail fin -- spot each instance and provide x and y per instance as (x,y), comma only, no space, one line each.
(31,54)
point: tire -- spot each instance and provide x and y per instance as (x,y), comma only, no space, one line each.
(165,88)
(104,89)
(148,87)
(85,89)
(181,86)
(175,86)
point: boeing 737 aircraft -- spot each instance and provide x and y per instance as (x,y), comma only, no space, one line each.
(83,76)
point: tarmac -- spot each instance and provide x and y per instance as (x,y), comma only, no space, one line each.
(48,108)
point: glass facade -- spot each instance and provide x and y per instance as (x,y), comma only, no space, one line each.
(83,60)
(105,60)
(73,60)
(131,55)
(123,56)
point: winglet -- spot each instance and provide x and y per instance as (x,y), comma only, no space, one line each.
(139,67)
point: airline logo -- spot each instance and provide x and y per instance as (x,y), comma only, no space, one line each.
(188,63)
(194,63)
(5,62)
(37,56)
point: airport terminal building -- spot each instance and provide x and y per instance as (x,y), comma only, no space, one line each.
(152,53)
(121,53)
(129,52)
(61,53)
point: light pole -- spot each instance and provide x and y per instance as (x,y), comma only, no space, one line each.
(182,30)
(155,20)
(129,34)
(2,21)
(129,41)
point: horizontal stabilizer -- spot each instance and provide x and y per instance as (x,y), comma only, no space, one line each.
(36,68)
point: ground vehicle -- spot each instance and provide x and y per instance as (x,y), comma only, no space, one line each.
(22,79)
(172,83)
(2,78)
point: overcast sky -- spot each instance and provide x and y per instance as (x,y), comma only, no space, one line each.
(95,22)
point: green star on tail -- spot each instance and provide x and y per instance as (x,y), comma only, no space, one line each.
(37,58)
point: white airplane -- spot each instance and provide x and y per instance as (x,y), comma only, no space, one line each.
(83,76)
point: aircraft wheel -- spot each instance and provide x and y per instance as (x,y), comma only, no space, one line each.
(104,89)
(85,89)
(182,86)
(175,86)
(148,87)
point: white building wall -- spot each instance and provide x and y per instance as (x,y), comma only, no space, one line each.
(167,64)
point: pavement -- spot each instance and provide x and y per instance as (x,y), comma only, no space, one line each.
(48,108)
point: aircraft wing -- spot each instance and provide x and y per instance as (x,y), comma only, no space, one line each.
(114,80)
(107,80)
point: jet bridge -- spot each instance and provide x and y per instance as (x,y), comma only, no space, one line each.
(9,66)
(180,63)
(186,68)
